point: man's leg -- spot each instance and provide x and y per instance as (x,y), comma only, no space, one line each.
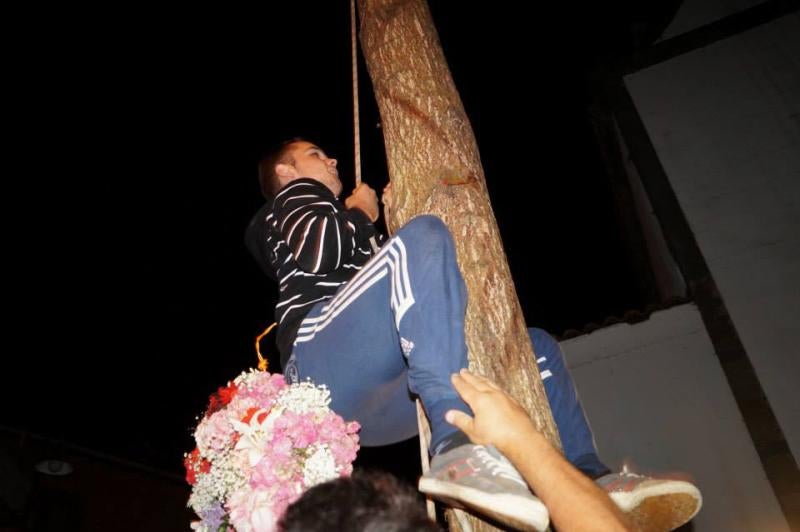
(650,503)
(576,436)
(397,325)
(431,329)
(471,476)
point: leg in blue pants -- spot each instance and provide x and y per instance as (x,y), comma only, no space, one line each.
(396,328)
(576,436)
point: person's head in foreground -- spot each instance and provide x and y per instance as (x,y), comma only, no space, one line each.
(366,501)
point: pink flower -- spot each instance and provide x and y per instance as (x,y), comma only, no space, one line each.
(304,432)
(263,475)
(331,428)
(281,446)
(266,444)
(344,451)
(286,494)
(287,421)
(214,433)
(251,511)
(262,387)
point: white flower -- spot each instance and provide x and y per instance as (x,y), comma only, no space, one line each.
(255,434)
(319,467)
(305,397)
(226,475)
(203,495)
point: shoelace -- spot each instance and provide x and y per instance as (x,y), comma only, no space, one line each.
(499,466)
(626,473)
(625,480)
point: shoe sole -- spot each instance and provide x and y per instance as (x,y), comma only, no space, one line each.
(660,508)
(504,508)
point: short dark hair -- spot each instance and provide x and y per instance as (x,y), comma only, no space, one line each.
(280,154)
(366,501)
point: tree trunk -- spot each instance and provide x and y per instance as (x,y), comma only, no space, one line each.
(435,168)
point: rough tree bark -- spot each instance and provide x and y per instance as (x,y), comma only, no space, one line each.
(435,168)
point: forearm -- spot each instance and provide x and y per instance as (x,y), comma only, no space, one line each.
(574,501)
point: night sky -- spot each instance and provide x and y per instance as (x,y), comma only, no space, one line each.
(134,296)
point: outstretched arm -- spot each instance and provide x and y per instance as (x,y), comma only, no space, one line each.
(573,500)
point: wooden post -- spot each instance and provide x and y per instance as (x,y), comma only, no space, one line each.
(435,168)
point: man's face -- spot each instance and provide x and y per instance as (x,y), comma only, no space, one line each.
(311,161)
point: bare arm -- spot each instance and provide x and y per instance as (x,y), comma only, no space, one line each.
(574,501)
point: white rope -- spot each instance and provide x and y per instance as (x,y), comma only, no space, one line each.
(424,443)
(356,128)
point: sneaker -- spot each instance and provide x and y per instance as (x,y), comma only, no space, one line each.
(652,505)
(481,479)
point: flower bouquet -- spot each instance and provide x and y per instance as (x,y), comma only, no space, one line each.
(260,445)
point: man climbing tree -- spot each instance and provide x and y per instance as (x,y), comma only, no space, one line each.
(374,326)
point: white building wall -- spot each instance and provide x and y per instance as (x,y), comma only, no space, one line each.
(656,396)
(725,122)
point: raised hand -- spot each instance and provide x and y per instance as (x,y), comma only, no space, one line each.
(498,420)
(365,199)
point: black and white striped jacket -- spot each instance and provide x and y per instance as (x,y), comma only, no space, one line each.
(310,244)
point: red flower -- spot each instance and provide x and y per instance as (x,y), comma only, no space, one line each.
(190,463)
(214,405)
(249,415)
(251,412)
(221,398)
(227,393)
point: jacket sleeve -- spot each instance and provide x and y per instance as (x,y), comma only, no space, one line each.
(255,241)
(321,234)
